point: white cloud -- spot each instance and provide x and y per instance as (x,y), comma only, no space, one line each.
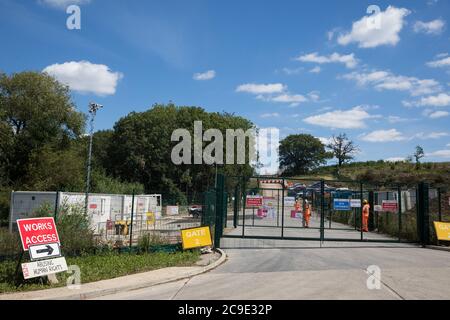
(261,88)
(275,92)
(349,60)
(316,69)
(293,99)
(86,77)
(431,135)
(290,71)
(439,154)
(385,80)
(63,3)
(396,119)
(433,27)
(378,29)
(440,63)
(383,136)
(396,159)
(325,141)
(208,75)
(270,115)
(438,114)
(340,119)
(440,100)
(314,96)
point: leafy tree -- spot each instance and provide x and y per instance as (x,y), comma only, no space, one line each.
(419,154)
(343,148)
(301,153)
(36,111)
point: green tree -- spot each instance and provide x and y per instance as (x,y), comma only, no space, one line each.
(419,154)
(36,111)
(301,153)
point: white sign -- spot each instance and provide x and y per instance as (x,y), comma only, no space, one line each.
(172,210)
(44,251)
(43,268)
(378,207)
(289,201)
(355,203)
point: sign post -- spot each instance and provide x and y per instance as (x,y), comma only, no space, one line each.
(40,238)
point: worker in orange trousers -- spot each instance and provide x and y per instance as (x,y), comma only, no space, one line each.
(306,214)
(365,216)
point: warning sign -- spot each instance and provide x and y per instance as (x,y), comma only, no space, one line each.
(390,205)
(43,268)
(442,230)
(254,201)
(37,231)
(196,238)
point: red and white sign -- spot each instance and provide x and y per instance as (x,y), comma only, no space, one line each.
(390,205)
(254,201)
(37,231)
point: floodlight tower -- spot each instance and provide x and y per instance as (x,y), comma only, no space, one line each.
(93,108)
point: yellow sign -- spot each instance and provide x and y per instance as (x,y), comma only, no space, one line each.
(442,230)
(196,238)
(150,218)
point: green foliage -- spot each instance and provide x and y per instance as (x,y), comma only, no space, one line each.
(102,267)
(104,184)
(140,150)
(301,153)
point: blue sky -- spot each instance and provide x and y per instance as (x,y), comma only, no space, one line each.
(318,67)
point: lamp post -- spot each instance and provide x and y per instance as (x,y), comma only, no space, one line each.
(93,108)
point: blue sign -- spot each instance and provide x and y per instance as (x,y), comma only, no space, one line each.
(341,204)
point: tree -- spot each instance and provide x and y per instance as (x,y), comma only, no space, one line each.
(301,153)
(36,111)
(419,154)
(343,149)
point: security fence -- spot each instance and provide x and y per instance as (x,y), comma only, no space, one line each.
(327,210)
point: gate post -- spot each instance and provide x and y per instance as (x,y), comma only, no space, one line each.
(322,210)
(423,227)
(218,229)
(236,207)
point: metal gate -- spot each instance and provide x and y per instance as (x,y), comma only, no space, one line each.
(276,209)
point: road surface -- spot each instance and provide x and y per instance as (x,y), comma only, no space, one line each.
(407,272)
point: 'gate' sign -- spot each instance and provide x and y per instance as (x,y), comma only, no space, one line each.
(196,238)
(37,231)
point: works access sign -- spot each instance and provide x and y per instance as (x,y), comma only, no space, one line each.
(37,231)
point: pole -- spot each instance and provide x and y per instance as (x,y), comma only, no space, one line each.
(282,210)
(399,214)
(440,204)
(88,175)
(361,210)
(131,222)
(93,108)
(322,213)
(56,206)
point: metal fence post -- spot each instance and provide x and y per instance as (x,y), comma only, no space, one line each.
(131,223)
(423,213)
(56,206)
(361,210)
(439,190)
(282,210)
(322,211)
(236,207)
(399,214)
(218,229)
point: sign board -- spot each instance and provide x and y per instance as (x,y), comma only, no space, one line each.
(389,205)
(44,251)
(442,230)
(196,238)
(172,210)
(355,203)
(289,201)
(254,201)
(37,231)
(43,268)
(377,208)
(341,204)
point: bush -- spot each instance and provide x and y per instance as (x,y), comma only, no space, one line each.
(147,241)
(9,243)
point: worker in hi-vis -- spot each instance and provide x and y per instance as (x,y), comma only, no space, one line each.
(306,214)
(365,216)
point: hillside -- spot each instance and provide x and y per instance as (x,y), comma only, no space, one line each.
(381,172)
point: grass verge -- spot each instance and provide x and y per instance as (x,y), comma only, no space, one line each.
(101,267)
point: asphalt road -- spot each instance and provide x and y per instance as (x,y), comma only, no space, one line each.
(407,272)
